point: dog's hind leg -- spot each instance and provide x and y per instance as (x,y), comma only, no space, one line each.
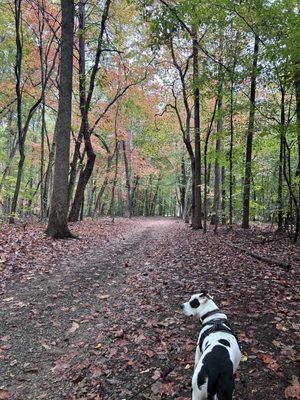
(199,383)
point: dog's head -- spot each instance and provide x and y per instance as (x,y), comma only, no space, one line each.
(197,304)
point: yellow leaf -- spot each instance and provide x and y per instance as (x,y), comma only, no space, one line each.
(244,357)
(98,346)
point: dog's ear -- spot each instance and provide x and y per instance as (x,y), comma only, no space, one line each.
(204,293)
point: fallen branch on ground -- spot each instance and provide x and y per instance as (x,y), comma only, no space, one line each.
(269,260)
(277,239)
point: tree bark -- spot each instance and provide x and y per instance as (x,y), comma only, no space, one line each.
(18,73)
(231,156)
(58,225)
(215,214)
(104,185)
(297,93)
(206,172)
(250,132)
(182,187)
(128,180)
(197,217)
(223,199)
(280,169)
(85,108)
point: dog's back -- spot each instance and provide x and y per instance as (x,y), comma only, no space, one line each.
(214,375)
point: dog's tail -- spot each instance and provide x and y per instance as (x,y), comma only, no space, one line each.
(222,385)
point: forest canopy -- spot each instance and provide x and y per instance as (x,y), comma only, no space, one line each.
(178,108)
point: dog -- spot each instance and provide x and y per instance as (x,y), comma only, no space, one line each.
(217,353)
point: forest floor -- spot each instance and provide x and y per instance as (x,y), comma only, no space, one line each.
(99,317)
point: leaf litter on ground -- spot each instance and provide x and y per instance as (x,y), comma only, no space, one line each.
(101,315)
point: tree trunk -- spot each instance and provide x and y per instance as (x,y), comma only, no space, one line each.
(47,179)
(85,107)
(103,186)
(134,195)
(297,93)
(154,200)
(206,170)
(197,217)
(280,171)
(58,225)
(128,181)
(84,176)
(112,201)
(183,183)
(250,132)
(18,74)
(223,201)
(215,214)
(11,149)
(231,156)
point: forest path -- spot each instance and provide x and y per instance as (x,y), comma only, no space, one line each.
(105,321)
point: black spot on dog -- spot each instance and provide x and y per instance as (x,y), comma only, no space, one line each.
(194,303)
(218,367)
(224,342)
(207,345)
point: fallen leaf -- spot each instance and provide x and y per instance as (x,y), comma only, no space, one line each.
(119,334)
(4,395)
(73,328)
(103,296)
(293,392)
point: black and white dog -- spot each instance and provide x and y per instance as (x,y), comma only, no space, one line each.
(217,353)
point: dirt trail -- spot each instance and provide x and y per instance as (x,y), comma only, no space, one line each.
(105,322)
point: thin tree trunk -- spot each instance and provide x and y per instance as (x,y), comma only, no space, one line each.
(58,225)
(47,179)
(128,181)
(86,132)
(231,156)
(206,175)
(223,201)
(215,214)
(104,185)
(183,183)
(280,171)
(11,150)
(248,159)
(154,200)
(134,195)
(43,115)
(293,198)
(112,201)
(197,217)
(297,93)
(18,74)
(120,193)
